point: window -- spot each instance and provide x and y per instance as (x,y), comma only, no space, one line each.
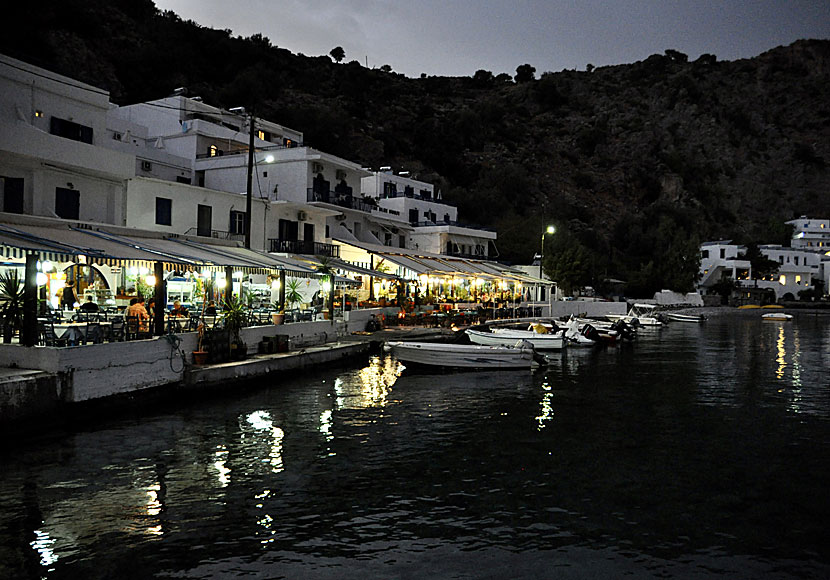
(237,223)
(796,260)
(182,179)
(722,253)
(164,211)
(261,135)
(39,114)
(389,188)
(356,230)
(798,280)
(67,203)
(11,189)
(146,166)
(213,151)
(401,241)
(782,279)
(70,130)
(413,216)
(704,254)
(387,239)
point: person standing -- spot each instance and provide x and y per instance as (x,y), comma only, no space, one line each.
(68,296)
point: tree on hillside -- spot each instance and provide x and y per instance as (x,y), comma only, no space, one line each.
(337,53)
(483,78)
(525,73)
(762,267)
(567,262)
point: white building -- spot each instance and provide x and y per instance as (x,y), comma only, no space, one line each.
(796,270)
(810,234)
(434,223)
(720,259)
(54,159)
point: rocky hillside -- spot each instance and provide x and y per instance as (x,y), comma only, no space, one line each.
(635,163)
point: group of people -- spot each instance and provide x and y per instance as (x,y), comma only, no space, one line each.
(138,310)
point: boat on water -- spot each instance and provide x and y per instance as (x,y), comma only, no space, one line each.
(677,317)
(639,314)
(777,317)
(509,337)
(465,356)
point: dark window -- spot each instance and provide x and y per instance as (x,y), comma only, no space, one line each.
(426,194)
(204,220)
(200,178)
(327,231)
(70,130)
(402,241)
(446,218)
(288,230)
(237,225)
(722,253)
(182,179)
(308,233)
(67,203)
(387,239)
(164,211)
(389,188)
(705,254)
(409,191)
(413,216)
(13,194)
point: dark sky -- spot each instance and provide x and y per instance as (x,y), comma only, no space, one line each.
(459,37)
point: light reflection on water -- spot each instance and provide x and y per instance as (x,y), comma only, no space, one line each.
(682,455)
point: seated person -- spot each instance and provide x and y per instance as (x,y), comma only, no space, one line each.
(136,308)
(210,309)
(89,306)
(178,309)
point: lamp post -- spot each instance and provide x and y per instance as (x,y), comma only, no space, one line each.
(548,230)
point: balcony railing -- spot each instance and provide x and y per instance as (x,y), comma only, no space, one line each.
(466,255)
(341,200)
(394,194)
(277,245)
(450,223)
(219,234)
(244,149)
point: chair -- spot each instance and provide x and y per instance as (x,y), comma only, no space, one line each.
(116,329)
(47,335)
(133,329)
(93,333)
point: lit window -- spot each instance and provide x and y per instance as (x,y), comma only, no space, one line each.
(39,114)
(798,280)
(782,279)
(822,226)
(213,150)
(260,135)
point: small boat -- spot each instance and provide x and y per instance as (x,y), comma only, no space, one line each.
(777,317)
(509,337)
(638,315)
(465,356)
(677,317)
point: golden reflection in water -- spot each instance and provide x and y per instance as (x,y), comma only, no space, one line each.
(375,381)
(220,456)
(42,544)
(546,413)
(262,421)
(782,354)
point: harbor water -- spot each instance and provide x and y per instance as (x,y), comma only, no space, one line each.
(697,451)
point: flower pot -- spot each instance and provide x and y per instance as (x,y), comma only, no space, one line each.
(278,317)
(200,357)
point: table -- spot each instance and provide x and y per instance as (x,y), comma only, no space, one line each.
(75,332)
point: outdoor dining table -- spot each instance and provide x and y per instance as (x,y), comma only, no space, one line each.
(75,332)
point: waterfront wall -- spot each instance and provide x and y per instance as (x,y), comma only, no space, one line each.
(83,373)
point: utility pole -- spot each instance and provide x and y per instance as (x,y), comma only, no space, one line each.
(250,179)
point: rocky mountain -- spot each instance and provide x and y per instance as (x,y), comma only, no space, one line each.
(634,163)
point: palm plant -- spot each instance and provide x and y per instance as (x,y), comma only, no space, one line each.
(292,292)
(11,303)
(234,315)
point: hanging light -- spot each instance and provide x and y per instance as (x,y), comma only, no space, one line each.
(275,284)
(150,280)
(42,279)
(221,283)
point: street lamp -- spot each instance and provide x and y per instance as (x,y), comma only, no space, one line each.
(549,230)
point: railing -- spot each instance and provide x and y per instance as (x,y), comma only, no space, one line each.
(433,199)
(223,153)
(218,234)
(277,245)
(450,223)
(341,200)
(466,255)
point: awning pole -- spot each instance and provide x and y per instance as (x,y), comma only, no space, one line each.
(160,296)
(28,334)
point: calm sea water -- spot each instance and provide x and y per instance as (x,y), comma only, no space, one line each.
(697,452)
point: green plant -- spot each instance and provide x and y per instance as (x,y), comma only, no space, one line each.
(292,292)
(11,303)
(235,314)
(326,269)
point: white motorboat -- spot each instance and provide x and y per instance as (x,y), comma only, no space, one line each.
(777,317)
(468,356)
(510,336)
(677,317)
(574,334)
(644,315)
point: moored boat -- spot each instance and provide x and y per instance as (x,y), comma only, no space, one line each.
(465,356)
(777,317)
(678,317)
(639,314)
(509,337)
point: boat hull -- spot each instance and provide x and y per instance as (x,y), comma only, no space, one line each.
(465,356)
(509,337)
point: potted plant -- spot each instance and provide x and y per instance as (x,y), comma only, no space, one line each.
(11,304)
(326,269)
(234,316)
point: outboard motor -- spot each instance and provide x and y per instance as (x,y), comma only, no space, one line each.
(624,330)
(590,332)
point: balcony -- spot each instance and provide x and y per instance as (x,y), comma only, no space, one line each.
(337,198)
(428,224)
(219,234)
(279,246)
(466,256)
(413,195)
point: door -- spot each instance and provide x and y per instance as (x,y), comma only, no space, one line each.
(204,221)
(308,238)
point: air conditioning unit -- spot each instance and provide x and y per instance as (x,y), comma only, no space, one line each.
(341,174)
(146,166)
(316,167)
(302,216)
